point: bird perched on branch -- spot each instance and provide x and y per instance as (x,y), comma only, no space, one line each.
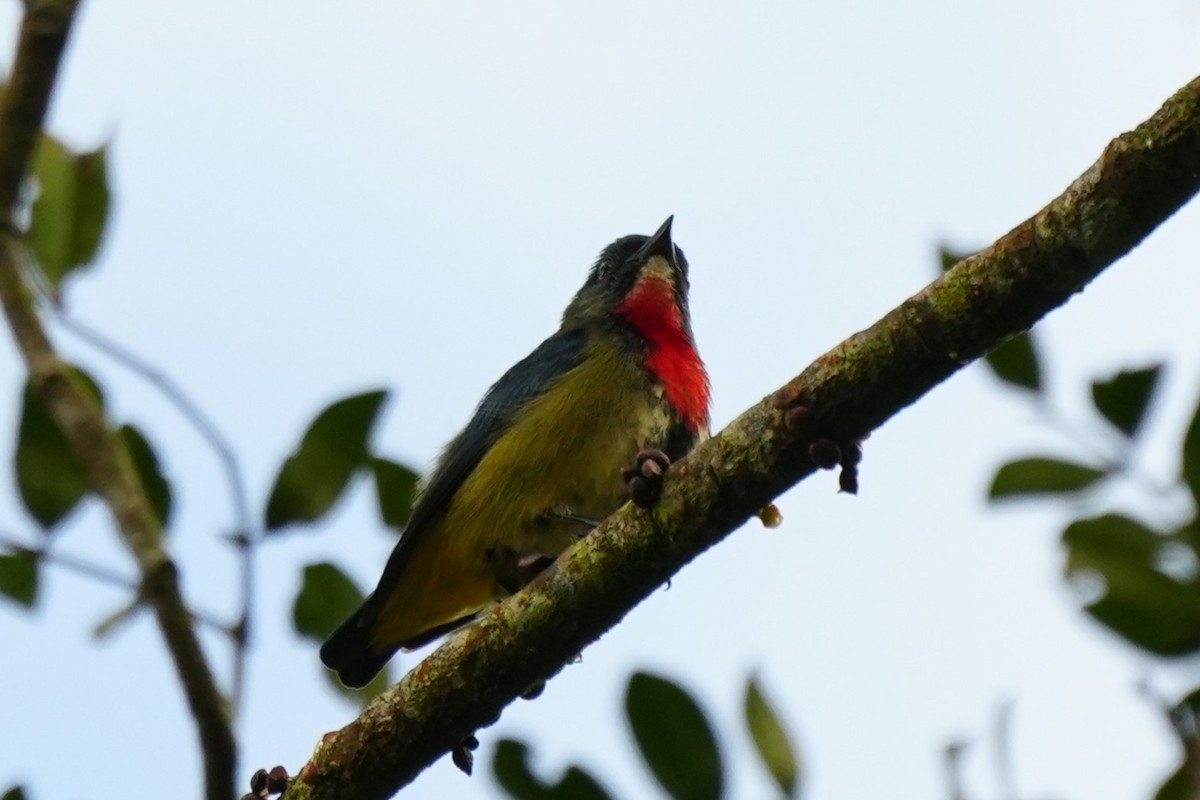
(591,417)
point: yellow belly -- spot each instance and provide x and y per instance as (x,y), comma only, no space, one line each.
(563,455)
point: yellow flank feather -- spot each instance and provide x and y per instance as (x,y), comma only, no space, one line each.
(562,455)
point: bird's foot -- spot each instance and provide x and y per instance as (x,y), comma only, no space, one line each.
(644,479)
(826,451)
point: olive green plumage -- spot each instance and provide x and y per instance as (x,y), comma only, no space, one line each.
(543,454)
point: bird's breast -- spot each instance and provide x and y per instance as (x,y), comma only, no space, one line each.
(563,455)
(652,309)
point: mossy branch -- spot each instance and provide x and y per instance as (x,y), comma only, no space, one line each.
(44,31)
(1140,180)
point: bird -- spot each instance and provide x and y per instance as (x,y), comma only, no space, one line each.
(588,420)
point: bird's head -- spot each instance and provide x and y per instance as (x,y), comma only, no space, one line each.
(638,283)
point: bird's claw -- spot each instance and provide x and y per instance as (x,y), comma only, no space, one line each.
(644,479)
(826,452)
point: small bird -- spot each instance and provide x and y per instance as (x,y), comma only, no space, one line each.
(546,456)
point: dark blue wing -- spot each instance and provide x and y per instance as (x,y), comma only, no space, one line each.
(351,650)
(524,381)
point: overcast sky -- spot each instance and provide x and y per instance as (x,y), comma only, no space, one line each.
(318,198)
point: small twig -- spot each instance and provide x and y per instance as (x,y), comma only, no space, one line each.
(1006,774)
(71,563)
(1118,460)
(953,761)
(1106,456)
(246,538)
(89,569)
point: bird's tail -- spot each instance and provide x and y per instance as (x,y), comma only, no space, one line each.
(351,651)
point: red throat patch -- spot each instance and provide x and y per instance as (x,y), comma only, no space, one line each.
(670,356)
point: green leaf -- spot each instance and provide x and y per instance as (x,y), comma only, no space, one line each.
(771,740)
(1041,476)
(674,737)
(19,577)
(333,447)
(1180,786)
(145,464)
(1123,398)
(326,598)
(71,208)
(1016,362)
(1145,599)
(396,488)
(1191,456)
(14,793)
(948,257)
(510,765)
(51,479)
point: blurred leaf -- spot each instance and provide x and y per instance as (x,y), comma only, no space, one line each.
(396,488)
(948,257)
(145,463)
(15,793)
(19,577)
(1123,398)
(333,447)
(771,740)
(674,737)
(1141,602)
(1180,786)
(50,477)
(1016,362)
(70,210)
(510,765)
(1191,456)
(1041,476)
(326,599)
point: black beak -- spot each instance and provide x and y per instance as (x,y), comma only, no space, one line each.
(660,244)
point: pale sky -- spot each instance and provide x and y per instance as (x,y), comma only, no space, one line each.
(313,199)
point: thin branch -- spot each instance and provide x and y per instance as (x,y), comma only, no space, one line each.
(952,760)
(1006,773)
(1140,180)
(89,569)
(44,31)
(245,538)
(71,563)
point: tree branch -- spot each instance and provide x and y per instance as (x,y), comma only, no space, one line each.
(245,538)
(1140,180)
(44,31)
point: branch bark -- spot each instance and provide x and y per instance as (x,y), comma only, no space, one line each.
(1141,179)
(45,28)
